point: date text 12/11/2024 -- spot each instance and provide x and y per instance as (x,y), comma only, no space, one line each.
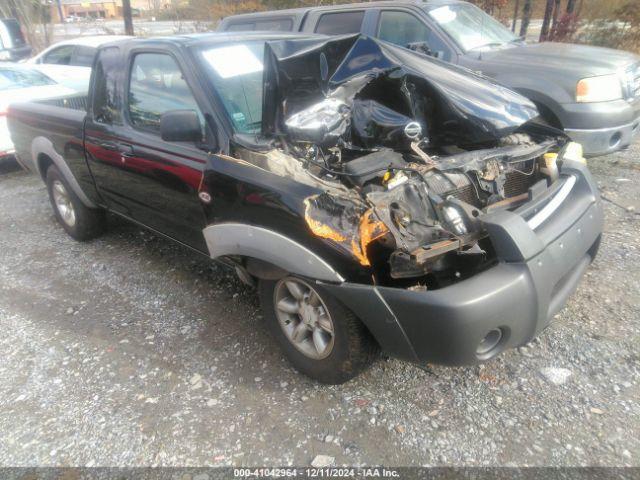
(316,472)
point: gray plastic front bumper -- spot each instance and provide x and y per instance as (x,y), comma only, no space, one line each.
(538,269)
(602,141)
(602,127)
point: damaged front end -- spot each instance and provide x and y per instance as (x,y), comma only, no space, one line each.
(422,220)
(409,153)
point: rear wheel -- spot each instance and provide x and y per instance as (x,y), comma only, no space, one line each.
(79,221)
(319,336)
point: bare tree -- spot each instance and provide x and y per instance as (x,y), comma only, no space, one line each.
(126,13)
(556,12)
(60,12)
(548,10)
(526,17)
(515,15)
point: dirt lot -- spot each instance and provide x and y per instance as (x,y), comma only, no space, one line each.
(131,351)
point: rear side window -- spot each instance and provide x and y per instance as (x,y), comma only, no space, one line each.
(268,24)
(339,23)
(106,94)
(277,24)
(59,56)
(83,56)
(240,27)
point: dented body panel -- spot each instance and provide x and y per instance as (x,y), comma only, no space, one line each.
(389,83)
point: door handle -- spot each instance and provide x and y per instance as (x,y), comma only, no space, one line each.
(126,151)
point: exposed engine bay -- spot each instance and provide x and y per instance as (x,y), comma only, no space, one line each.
(410,154)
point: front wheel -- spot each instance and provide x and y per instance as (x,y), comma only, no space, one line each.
(79,221)
(318,335)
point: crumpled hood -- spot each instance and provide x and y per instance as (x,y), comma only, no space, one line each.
(452,104)
(563,58)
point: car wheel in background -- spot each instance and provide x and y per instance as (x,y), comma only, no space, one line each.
(79,221)
(319,336)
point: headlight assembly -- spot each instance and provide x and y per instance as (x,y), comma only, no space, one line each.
(604,88)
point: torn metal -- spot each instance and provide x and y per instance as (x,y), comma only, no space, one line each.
(409,152)
(384,86)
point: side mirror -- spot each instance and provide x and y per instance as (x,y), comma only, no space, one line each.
(420,47)
(180,126)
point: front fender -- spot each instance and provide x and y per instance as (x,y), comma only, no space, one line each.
(251,241)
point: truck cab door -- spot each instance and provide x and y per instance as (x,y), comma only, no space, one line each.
(138,174)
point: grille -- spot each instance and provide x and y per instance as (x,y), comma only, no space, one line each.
(460,186)
(632,81)
(517,183)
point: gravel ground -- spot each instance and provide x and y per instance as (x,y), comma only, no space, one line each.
(131,351)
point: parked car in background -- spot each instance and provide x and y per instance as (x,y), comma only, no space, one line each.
(69,62)
(378,198)
(13,46)
(72,19)
(592,93)
(17,83)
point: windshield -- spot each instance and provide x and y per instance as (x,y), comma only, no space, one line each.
(235,70)
(12,78)
(470,27)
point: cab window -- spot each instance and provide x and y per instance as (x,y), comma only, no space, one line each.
(340,23)
(156,86)
(403,28)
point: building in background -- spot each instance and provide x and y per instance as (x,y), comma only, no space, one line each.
(87,9)
(107,9)
(152,5)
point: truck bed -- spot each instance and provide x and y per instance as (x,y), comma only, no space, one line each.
(57,124)
(59,120)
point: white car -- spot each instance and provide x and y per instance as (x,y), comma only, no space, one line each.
(19,82)
(69,62)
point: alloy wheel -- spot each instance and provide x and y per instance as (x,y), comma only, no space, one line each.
(63,203)
(304,318)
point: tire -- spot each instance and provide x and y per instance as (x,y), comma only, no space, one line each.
(350,349)
(79,221)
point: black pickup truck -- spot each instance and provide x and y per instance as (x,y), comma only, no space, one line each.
(379,198)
